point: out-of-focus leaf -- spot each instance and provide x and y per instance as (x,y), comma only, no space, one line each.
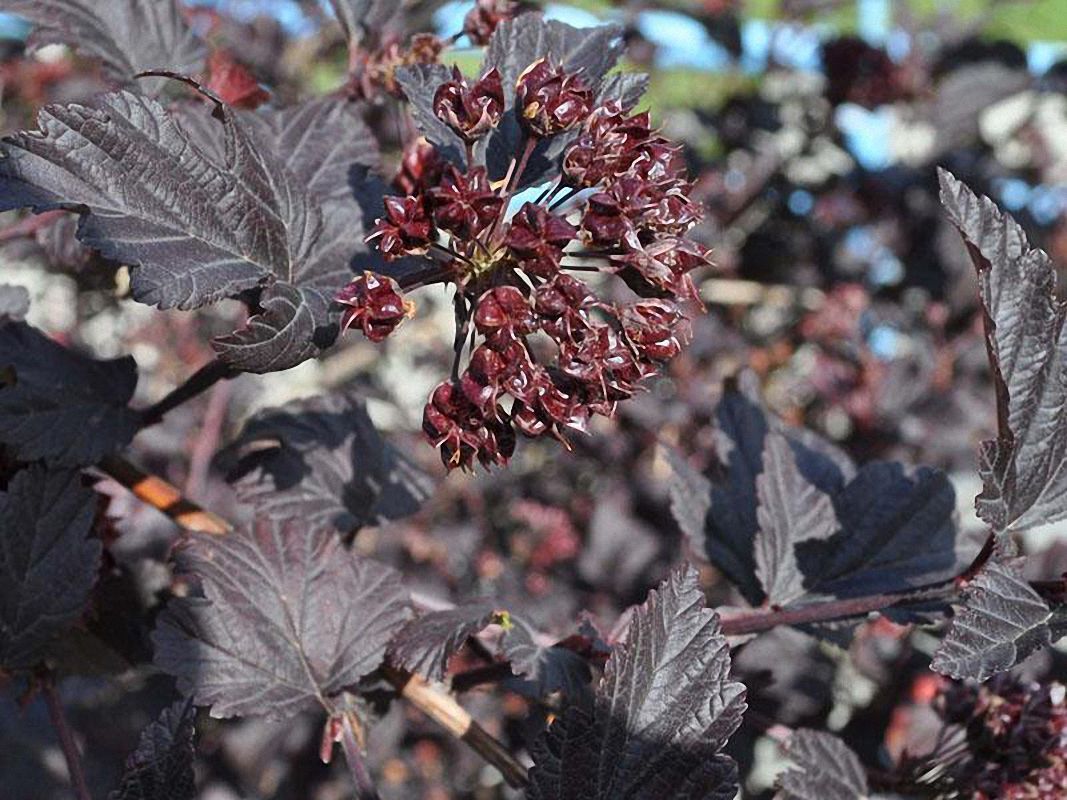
(289,618)
(662,713)
(127,36)
(824,768)
(426,644)
(195,229)
(48,561)
(321,460)
(1024,470)
(1002,621)
(161,768)
(364,20)
(63,407)
(14,303)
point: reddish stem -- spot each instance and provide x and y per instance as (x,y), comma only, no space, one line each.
(66,739)
(831,610)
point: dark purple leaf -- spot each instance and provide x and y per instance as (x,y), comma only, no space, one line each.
(824,768)
(63,407)
(791,510)
(518,43)
(1023,470)
(785,527)
(196,229)
(662,712)
(426,644)
(48,561)
(366,19)
(127,36)
(1000,622)
(14,303)
(289,618)
(322,460)
(547,668)
(420,82)
(161,768)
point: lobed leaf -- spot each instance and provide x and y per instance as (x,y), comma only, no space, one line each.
(289,618)
(321,460)
(127,36)
(1023,469)
(427,643)
(161,768)
(824,768)
(61,406)
(790,522)
(209,214)
(48,560)
(1000,622)
(662,712)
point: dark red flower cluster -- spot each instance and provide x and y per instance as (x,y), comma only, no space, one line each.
(1016,739)
(547,351)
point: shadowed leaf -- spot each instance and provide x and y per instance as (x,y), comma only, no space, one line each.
(791,522)
(48,562)
(161,768)
(549,668)
(63,407)
(322,460)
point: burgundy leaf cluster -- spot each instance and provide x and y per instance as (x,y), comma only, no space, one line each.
(620,205)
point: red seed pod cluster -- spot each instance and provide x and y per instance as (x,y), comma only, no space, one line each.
(470,110)
(548,352)
(1016,739)
(550,99)
(373,303)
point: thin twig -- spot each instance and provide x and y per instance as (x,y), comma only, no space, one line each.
(66,739)
(831,610)
(365,789)
(200,381)
(207,439)
(479,676)
(163,496)
(445,711)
